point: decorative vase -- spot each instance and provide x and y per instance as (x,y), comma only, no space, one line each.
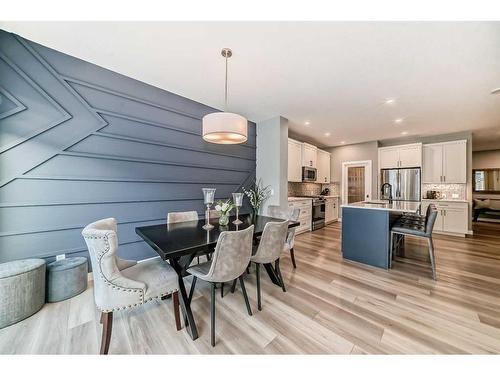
(224,219)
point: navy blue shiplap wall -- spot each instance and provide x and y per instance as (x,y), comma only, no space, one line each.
(80,143)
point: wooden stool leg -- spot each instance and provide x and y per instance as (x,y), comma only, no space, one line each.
(175,298)
(107,326)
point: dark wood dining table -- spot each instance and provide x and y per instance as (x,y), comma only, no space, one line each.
(180,243)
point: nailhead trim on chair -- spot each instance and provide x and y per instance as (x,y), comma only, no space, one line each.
(131,290)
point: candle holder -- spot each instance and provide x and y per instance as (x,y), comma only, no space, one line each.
(208,199)
(238,202)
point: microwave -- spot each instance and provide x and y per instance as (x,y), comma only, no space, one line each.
(309,174)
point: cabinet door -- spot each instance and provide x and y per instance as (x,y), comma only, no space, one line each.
(438,224)
(335,209)
(309,155)
(388,157)
(432,167)
(328,210)
(323,167)
(455,163)
(410,156)
(455,220)
(294,161)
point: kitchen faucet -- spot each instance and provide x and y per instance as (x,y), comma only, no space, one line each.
(390,191)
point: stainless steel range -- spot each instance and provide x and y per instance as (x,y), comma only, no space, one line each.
(318,211)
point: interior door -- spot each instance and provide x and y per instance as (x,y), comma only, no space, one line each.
(355,184)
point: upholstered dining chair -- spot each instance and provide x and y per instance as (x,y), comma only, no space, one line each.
(269,251)
(120,284)
(229,261)
(289,213)
(179,217)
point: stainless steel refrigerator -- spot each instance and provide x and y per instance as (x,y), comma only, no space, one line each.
(405,183)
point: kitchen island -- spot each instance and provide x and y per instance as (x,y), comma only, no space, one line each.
(366,229)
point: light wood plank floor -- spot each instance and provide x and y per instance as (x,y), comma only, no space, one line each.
(331,306)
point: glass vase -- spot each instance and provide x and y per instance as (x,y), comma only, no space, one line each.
(224,219)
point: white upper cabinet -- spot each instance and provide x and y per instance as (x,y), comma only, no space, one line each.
(404,156)
(445,162)
(432,169)
(294,161)
(323,175)
(309,155)
(455,162)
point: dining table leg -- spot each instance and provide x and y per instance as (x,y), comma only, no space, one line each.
(272,274)
(184,299)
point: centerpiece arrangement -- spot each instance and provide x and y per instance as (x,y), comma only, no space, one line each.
(257,194)
(224,207)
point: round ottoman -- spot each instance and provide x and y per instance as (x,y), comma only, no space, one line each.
(22,289)
(66,278)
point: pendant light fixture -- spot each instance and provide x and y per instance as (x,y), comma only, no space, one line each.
(225,127)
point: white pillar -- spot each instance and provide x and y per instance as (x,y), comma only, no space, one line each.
(272,159)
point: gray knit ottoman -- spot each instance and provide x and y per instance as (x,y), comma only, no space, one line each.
(66,278)
(22,289)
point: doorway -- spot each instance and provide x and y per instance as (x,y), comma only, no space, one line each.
(356,181)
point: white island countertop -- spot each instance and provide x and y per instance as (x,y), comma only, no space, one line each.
(395,206)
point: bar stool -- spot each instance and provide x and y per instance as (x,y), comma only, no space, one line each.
(417,228)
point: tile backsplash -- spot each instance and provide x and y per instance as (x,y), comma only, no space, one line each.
(448,191)
(297,189)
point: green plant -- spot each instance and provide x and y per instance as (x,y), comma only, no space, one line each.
(257,194)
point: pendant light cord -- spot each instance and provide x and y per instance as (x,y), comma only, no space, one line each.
(225,91)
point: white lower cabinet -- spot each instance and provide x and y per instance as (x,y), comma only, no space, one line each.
(305,217)
(453,217)
(331,209)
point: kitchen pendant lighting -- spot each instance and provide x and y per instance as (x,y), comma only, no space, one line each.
(225,127)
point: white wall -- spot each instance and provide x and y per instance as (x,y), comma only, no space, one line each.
(356,152)
(272,159)
(486,159)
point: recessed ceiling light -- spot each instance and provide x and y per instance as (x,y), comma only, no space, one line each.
(390,101)
(398,120)
(342,143)
(404,133)
(327,134)
(307,123)
(496,91)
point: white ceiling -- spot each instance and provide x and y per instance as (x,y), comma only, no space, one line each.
(334,74)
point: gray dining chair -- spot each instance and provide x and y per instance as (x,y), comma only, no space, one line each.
(289,213)
(229,261)
(121,284)
(179,217)
(416,228)
(269,251)
(182,217)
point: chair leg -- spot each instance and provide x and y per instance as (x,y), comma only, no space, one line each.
(221,290)
(257,274)
(191,291)
(212,314)
(245,296)
(175,299)
(233,287)
(278,271)
(107,326)
(292,255)
(431,255)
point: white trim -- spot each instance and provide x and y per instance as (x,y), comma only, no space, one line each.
(368,177)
